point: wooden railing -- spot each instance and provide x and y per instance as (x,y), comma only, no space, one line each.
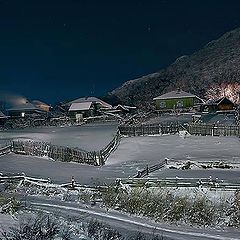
(5,149)
(141,130)
(173,128)
(65,154)
(214,129)
(181,182)
(145,172)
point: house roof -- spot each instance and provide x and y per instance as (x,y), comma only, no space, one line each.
(2,115)
(175,94)
(90,99)
(38,102)
(24,107)
(80,106)
(218,101)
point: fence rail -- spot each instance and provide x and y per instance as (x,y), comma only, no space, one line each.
(181,182)
(145,172)
(65,154)
(140,130)
(173,128)
(5,150)
(214,130)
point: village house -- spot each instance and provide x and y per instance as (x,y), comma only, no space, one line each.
(3,118)
(176,100)
(39,104)
(86,107)
(25,110)
(220,105)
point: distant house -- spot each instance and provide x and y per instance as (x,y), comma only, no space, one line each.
(86,107)
(23,110)
(123,109)
(45,107)
(220,105)
(176,100)
(3,118)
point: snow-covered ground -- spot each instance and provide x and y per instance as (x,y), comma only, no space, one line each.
(89,137)
(6,221)
(135,153)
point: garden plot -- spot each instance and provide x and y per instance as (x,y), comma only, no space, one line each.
(91,137)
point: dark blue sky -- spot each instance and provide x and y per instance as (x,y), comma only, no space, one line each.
(62,49)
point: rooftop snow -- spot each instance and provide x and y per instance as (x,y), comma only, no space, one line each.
(90,99)
(175,94)
(80,106)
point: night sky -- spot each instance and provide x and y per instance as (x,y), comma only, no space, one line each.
(57,50)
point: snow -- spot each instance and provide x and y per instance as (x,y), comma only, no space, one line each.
(6,221)
(135,153)
(130,220)
(89,137)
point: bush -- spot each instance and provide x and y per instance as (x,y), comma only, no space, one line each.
(163,205)
(9,205)
(40,227)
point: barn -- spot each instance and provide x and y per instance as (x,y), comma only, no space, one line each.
(176,100)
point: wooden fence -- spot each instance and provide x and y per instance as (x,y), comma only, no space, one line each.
(5,149)
(194,129)
(214,130)
(65,154)
(181,182)
(132,182)
(147,170)
(141,130)
(111,147)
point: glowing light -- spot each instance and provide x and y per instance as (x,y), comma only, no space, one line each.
(229,90)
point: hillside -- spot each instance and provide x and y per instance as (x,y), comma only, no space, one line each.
(209,70)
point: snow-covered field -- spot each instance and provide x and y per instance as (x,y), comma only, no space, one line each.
(135,153)
(6,221)
(88,137)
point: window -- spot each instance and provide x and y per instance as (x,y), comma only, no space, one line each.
(179,104)
(162,104)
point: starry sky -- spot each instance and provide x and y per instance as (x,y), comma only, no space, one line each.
(56,50)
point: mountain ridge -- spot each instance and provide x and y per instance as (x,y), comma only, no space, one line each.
(216,64)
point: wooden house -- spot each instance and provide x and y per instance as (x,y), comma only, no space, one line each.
(86,107)
(220,105)
(176,100)
(45,107)
(25,110)
(3,118)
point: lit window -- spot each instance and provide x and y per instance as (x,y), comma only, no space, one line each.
(23,114)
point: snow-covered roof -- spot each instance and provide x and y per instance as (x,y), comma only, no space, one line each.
(90,99)
(218,101)
(2,115)
(24,107)
(80,106)
(38,102)
(175,94)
